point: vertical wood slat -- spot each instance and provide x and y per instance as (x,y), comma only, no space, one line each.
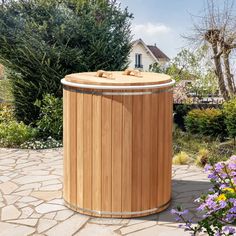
(167,148)
(160,153)
(80,149)
(106,154)
(154,157)
(169,140)
(127,154)
(73,148)
(68,147)
(87,152)
(165,151)
(65,140)
(117,121)
(97,153)
(146,154)
(137,154)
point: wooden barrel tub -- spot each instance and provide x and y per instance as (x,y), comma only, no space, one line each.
(117,132)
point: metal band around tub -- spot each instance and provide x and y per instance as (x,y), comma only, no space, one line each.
(116,93)
(125,213)
(109,87)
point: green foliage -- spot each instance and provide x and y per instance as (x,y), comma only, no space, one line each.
(42,41)
(6,90)
(229,109)
(50,117)
(6,112)
(12,133)
(180,111)
(194,66)
(197,146)
(209,122)
(157,68)
(184,66)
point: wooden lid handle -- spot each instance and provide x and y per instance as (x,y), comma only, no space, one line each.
(104,74)
(132,72)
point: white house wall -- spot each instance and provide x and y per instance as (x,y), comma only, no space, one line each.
(147,59)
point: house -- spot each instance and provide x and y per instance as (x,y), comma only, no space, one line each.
(142,55)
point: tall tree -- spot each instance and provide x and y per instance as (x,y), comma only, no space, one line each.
(217,28)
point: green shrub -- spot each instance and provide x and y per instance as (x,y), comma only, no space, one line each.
(42,41)
(180,111)
(50,121)
(229,109)
(6,112)
(6,90)
(12,133)
(209,122)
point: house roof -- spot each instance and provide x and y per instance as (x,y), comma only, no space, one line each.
(158,53)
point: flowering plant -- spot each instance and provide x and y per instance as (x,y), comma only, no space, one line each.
(218,205)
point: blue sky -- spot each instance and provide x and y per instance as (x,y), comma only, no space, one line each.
(164,21)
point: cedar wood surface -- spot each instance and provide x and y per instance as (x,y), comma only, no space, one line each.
(117,152)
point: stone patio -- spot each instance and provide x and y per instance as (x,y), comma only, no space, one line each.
(31,200)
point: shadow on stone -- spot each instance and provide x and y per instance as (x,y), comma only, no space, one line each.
(184,192)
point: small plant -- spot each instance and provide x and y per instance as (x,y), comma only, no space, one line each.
(229,109)
(202,157)
(208,122)
(50,117)
(12,133)
(181,158)
(218,205)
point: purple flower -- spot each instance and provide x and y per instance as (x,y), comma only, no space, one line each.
(233,200)
(222,186)
(212,176)
(207,167)
(229,230)
(232,166)
(222,204)
(233,158)
(230,217)
(180,213)
(218,233)
(233,209)
(219,167)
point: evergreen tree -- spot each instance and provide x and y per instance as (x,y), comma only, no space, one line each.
(43,40)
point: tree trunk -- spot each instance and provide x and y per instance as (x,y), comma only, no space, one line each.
(219,73)
(228,74)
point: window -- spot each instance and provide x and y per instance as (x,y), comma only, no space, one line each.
(138,60)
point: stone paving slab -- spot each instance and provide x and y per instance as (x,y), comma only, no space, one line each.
(31,200)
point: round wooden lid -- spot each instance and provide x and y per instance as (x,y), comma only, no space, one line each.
(118,78)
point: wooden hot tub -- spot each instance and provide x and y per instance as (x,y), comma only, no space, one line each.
(117,143)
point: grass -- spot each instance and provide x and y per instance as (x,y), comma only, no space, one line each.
(202,148)
(5,91)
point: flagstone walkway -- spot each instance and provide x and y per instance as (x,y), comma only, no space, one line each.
(31,200)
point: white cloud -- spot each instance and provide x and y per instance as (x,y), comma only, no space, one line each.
(151,29)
